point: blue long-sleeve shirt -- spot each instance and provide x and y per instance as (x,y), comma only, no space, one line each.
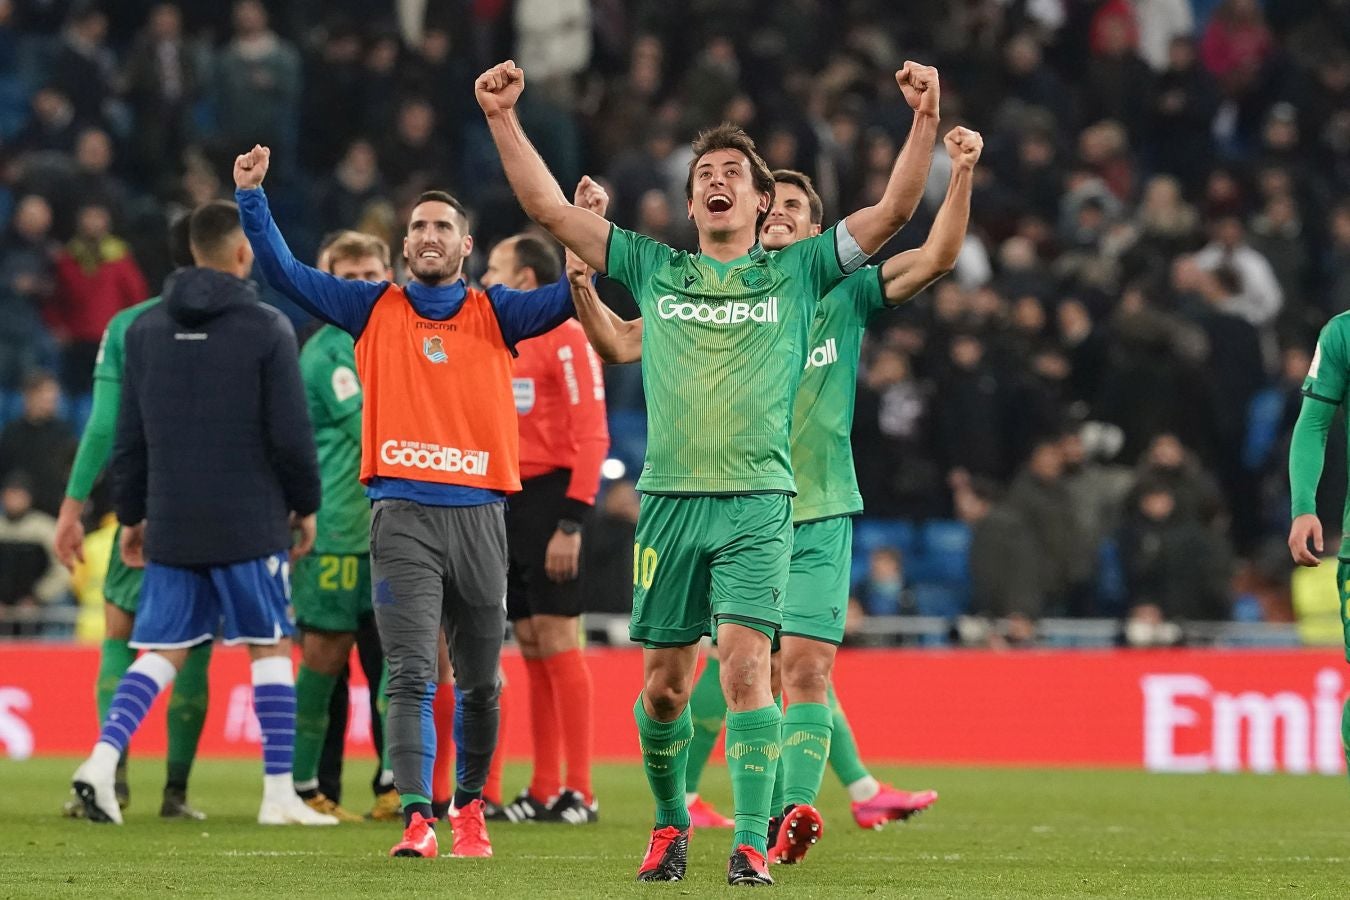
(348,304)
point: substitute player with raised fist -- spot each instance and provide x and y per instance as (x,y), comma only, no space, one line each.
(439,454)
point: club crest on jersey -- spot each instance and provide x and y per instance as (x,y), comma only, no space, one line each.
(823,355)
(755,278)
(433,349)
(729,313)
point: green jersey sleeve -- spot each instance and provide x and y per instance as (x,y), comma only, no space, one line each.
(1327,375)
(868,293)
(632,259)
(815,262)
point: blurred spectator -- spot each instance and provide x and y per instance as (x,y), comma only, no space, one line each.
(880,591)
(1195,495)
(1236,44)
(38,444)
(258,86)
(553,43)
(30,574)
(1119,84)
(354,187)
(1040,499)
(1005,573)
(1175,569)
(93,180)
(900,476)
(84,68)
(162,82)
(1259,297)
(415,157)
(1160,22)
(96,277)
(1185,101)
(333,77)
(26,282)
(1337,264)
(53,127)
(973,427)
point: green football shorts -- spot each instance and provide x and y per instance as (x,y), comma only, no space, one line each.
(817,593)
(331,592)
(122,583)
(700,560)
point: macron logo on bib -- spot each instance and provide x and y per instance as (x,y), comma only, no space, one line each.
(418,455)
(729,313)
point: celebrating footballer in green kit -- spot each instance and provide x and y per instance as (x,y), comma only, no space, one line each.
(121,583)
(828,497)
(724,354)
(330,588)
(1324,390)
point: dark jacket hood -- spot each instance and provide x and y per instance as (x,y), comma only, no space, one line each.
(196,295)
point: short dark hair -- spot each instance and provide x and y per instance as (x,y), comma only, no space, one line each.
(211,227)
(803,181)
(180,242)
(443,197)
(732,137)
(353,245)
(534,254)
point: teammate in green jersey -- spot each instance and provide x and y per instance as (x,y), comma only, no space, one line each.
(827,498)
(122,584)
(1325,389)
(725,349)
(331,586)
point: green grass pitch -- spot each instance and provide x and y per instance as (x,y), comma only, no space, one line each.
(994,833)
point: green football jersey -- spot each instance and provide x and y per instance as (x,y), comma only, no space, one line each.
(97,440)
(333,394)
(722,351)
(1329,381)
(822,420)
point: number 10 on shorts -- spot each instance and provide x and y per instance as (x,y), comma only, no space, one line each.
(644,566)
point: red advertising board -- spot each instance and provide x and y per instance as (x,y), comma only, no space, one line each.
(1167,710)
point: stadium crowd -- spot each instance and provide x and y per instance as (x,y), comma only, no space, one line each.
(1090,416)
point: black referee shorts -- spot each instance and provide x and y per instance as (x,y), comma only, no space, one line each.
(531,518)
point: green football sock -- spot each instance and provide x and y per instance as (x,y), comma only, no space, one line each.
(708,708)
(806,748)
(753,748)
(779,777)
(114,659)
(844,758)
(665,755)
(1345,731)
(187,715)
(313,693)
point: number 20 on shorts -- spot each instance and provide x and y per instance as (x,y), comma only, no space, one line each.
(337,570)
(644,566)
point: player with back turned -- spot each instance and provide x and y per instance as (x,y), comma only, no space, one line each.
(724,353)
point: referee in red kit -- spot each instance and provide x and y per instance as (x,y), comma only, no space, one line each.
(560,396)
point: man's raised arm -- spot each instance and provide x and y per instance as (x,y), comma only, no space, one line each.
(343,302)
(905,274)
(873,226)
(580,230)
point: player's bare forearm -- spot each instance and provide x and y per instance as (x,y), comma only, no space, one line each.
(581,230)
(615,340)
(873,226)
(905,274)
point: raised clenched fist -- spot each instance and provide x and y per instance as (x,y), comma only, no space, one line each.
(964,146)
(251,168)
(590,194)
(919,84)
(499,87)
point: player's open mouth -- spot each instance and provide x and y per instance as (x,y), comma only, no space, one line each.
(430,254)
(778,228)
(718,203)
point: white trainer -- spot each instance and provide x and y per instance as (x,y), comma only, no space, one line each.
(291,810)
